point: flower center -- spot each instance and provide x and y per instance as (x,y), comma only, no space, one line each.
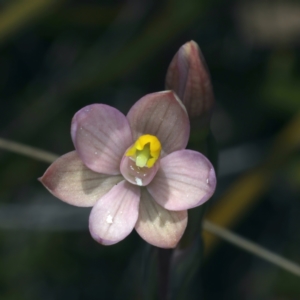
(145,151)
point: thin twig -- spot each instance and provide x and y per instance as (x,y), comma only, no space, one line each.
(252,185)
(164,259)
(27,151)
(208,226)
(252,248)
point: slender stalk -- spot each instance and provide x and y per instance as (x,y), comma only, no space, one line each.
(164,259)
(28,151)
(252,248)
(164,256)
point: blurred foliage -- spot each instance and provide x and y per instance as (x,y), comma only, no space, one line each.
(281,91)
(57,56)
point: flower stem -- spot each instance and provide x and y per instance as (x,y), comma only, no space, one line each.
(253,248)
(164,260)
(28,151)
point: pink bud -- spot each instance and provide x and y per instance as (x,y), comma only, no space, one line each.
(188,76)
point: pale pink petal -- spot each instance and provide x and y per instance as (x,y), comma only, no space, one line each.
(136,175)
(71,181)
(158,226)
(114,215)
(185,179)
(101,134)
(163,115)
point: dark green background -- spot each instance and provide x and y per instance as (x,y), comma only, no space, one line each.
(68,54)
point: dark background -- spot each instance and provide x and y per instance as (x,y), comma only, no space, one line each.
(58,56)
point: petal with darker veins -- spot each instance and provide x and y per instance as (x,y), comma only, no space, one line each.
(158,226)
(101,134)
(115,214)
(186,179)
(71,181)
(163,115)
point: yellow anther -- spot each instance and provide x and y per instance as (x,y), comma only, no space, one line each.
(145,151)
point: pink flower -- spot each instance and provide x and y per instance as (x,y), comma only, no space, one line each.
(134,170)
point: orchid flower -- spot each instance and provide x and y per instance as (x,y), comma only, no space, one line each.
(133,170)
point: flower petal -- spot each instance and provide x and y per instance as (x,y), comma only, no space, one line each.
(101,134)
(71,181)
(158,226)
(185,179)
(136,175)
(163,115)
(114,215)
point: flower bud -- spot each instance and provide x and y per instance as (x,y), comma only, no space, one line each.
(189,78)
